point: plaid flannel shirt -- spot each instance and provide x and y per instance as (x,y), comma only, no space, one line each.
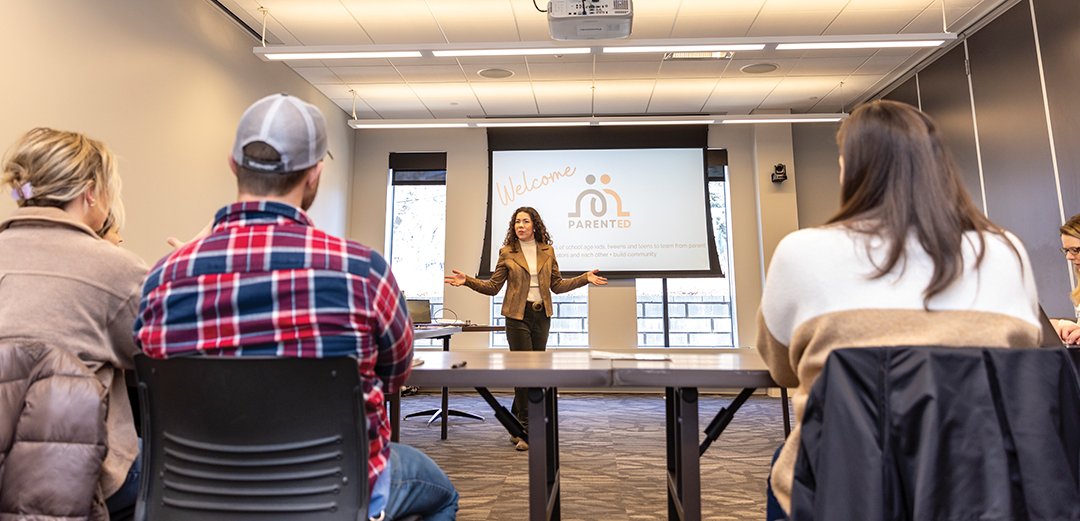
(267,282)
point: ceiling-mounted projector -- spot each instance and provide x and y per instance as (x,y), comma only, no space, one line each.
(589,19)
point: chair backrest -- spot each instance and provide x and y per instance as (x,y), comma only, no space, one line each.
(252,438)
(940,433)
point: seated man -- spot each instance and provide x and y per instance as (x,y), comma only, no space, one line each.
(265,281)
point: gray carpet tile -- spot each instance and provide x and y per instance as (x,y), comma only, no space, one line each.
(613,457)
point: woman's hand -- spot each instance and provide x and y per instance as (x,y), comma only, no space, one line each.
(1069,332)
(595,279)
(457,279)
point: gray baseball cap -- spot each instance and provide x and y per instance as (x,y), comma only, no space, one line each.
(295,128)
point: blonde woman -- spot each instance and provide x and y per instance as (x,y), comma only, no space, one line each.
(1068,330)
(63,285)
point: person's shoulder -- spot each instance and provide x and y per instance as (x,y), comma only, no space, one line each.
(810,241)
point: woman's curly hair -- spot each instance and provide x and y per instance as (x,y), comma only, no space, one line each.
(540,233)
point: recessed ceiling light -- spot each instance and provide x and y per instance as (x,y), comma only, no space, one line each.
(495,73)
(538,124)
(408,125)
(759,68)
(654,122)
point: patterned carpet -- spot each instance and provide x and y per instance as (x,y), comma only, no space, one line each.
(613,457)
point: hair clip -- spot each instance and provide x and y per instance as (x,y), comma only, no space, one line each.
(25,192)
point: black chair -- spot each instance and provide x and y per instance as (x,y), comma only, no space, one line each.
(252,438)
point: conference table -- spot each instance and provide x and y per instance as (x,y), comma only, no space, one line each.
(681,375)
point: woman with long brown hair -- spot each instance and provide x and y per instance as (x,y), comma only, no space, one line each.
(909,260)
(527,261)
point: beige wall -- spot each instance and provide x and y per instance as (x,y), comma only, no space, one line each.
(163,84)
(817,158)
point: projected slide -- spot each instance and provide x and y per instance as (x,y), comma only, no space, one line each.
(618,210)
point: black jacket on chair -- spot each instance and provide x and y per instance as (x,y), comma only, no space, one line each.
(934,433)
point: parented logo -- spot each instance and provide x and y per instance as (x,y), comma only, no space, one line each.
(598,205)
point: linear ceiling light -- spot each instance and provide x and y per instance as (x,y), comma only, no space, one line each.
(684,48)
(408,125)
(511,52)
(662,122)
(857,45)
(785,120)
(538,124)
(341,55)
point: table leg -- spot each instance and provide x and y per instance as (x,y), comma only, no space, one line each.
(393,403)
(445,411)
(787,415)
(543,456)
(684,468)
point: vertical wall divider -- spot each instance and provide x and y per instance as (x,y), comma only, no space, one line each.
(975,125)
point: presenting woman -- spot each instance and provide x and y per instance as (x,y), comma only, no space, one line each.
(64,286)
(908,261)
(1068,330)
(527,261)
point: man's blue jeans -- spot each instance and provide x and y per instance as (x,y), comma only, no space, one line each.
(419,486)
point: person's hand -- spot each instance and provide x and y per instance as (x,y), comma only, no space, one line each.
(1069,333)
(596,279)
(177,243)
(457,279)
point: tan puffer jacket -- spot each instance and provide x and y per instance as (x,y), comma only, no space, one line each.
(52,435)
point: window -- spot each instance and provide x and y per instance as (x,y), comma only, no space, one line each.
(417,226)
(693,312)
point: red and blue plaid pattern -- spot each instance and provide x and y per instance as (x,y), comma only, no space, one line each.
(267,282)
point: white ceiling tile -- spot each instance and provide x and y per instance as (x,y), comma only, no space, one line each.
(448,97)
(878,21)
(336,32)
(650,27)
(872,5)
(693,68)
(431,73)
(397,22)
(740,92)
(826,66)
(793,92)
(623,97)
(560,71)
(633,70)
(675,96)
(362,110)
(785,23)
(730,25)
(691,8)
(563,97)
(399,108)
(384,91)
(472,70)
(783,67)
(317,75)
(309,11)
(506,99)
(929,21)
(789,6)
(881,64)
(335,91)
(466,30)
(380,74)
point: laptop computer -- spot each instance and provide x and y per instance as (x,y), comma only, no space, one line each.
(419,310)
(1049,333)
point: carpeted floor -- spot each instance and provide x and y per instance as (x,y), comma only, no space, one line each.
(612,452)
